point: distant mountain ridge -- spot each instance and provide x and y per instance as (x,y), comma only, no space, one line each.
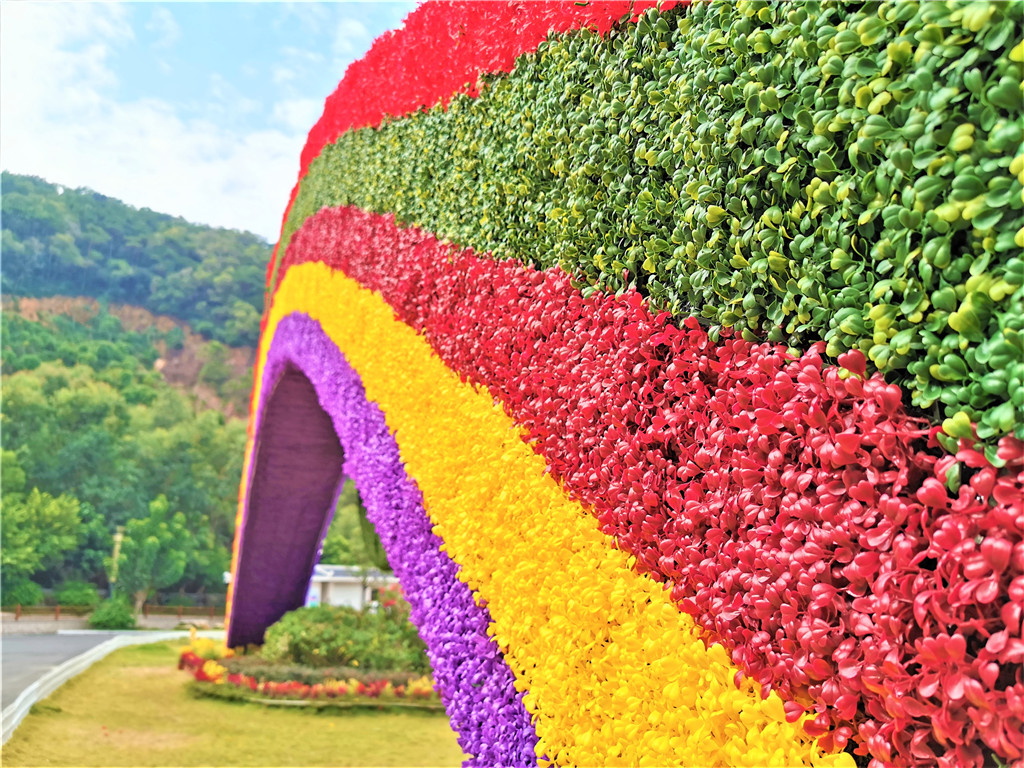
(127,350)
(76,242)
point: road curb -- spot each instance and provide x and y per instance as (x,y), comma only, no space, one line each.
(56,677)
(214,633)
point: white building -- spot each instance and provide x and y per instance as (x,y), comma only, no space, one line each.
(346,585)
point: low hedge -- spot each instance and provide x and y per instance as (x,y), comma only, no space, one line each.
(78,593)
(21,592)
(113,613)
(333,636)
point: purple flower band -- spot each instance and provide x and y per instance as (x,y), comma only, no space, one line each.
(309,392)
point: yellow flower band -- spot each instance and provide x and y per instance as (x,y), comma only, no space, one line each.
(613,672)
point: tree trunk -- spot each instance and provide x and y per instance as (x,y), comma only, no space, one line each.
(140,599)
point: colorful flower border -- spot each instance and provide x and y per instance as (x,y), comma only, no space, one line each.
(717,466)
(465,40)
(610,669)
(418,693)
(792,507)
(475,683)
(779,203)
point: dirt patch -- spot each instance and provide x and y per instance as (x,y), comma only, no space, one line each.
(79,309)
(179,367)
(150,740)
(147,672)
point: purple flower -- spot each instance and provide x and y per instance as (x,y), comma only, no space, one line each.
(284,515)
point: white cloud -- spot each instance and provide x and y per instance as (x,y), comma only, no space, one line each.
(350,36)
(302,54)
(298,115)
(282,75)
(311,16)
(227,99)
(34,69)
(163,25)
(60,119)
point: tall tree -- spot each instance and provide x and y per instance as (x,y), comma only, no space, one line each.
(154,552)
(37,528)
(351,538)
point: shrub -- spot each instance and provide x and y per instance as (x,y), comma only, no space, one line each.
(28,363)
(325,636)
(78,593)
(115,613)
(22,592)
(175,338)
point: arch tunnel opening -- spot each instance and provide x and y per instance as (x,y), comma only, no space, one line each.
(319,403)
(296,477)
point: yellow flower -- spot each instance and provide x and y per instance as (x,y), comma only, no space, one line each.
(614,673)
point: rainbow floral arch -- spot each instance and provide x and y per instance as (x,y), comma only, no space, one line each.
(676,354)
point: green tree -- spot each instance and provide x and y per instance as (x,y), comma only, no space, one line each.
(216,370)
(12,476)
(63,248)
(351,538)
(175,338)
(37,528)
(154,552)
(115,439)
(94,545)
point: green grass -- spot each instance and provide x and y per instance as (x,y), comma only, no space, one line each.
(133,709)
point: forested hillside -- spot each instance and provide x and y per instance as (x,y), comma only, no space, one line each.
(113,416)
(76,242)
(93,438)
(127,362)
(217,376)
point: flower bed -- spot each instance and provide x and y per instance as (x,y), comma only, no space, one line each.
(211,665)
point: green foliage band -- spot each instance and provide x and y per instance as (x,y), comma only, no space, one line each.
(797,171)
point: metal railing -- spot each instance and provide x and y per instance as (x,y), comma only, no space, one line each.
(211,611)
(69,611)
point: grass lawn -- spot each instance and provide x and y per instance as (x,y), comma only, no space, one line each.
(131,709)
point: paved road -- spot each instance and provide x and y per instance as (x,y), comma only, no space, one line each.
(26,658)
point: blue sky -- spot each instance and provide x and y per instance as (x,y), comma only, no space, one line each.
(194,109)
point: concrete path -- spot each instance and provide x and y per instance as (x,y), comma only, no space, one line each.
(39,625)
(26,658)
(44,625)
